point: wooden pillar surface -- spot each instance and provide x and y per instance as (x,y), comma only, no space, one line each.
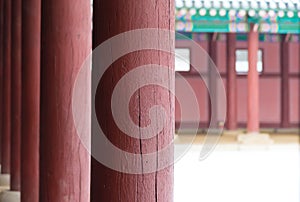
(212,87)
(65,44)
(112,18)
(231,121)
(253,81)
(16,74)
(285,97)
(1,71)
(31,31)
(6,130)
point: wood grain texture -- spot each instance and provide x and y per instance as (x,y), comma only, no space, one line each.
(66,42)
(1,71)
(31,31)
(112,18)
(16,74)
(5,164)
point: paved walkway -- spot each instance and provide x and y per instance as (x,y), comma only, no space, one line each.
(235,173)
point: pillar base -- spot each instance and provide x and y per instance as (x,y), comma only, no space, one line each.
(10,196)
(4,180)
(254,139)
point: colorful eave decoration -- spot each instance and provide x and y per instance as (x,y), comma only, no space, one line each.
(272,16)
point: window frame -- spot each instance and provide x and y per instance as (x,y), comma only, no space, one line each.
(189,54)
(246,73)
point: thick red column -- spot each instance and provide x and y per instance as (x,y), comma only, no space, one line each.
(285,82)
(5,166)
(31,31)
(65,44)
(212,87)
(16,96)
(1,72)
(253,81)
(231,121)
(111,18)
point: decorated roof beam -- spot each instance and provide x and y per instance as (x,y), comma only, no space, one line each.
(273,16)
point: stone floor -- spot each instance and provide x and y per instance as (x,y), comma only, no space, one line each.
(238,173)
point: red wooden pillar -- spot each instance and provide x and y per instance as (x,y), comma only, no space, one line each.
(285,81)
(5,166)
(213,48)
(16,97)
(253,80)
(1,71)
(111,18)
(31,31)
(231,83)
(65,44)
